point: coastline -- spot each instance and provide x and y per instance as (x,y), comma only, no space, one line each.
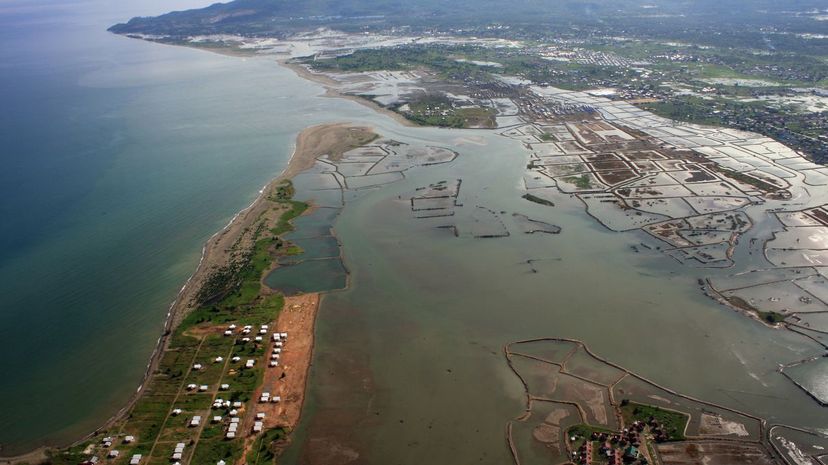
(301,71)
(331,92)
(214,253)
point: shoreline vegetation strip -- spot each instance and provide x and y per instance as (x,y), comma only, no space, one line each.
(225,288)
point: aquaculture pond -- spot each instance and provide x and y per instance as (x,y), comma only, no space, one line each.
(314,263)
(444,272)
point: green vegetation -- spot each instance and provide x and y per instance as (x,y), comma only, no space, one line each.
(443,60)
(768,317)
(675,82)
(690,109)
(243,302)
(263,452)
(283,225)
(213,450)
(581,182)
(235,295)
(772,317)
(438,110)
(765,28)
(673,423)
(233,292)
(727,107)
(284,196)
(536,199)
(582,433)
(749,180)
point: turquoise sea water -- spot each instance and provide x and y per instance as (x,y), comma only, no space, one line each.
(118,158)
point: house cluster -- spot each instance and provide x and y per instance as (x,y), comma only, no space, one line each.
(107,443)
(247,336)
(279,340)
(232,427)
(247,331)
(232,409)
(178,453)
(613,448)
(660,434)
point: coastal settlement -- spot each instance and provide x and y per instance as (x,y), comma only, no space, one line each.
(226,384)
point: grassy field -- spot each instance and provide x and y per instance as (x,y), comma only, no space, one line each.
(581,182)
(199,339)
(769,317)
(582,433)
(673,422)
(440,111)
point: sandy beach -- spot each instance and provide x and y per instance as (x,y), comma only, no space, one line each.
(332,139)
(289,381)
(331,91)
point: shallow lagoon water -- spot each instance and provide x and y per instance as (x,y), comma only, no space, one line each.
(316,275)
(408,366)
(313,247)
(409,363)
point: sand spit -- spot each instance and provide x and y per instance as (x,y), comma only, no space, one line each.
(312,142)
(289,381)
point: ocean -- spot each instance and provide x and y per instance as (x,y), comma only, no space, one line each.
(118,159)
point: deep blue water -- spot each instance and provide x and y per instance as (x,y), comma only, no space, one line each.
(118,159)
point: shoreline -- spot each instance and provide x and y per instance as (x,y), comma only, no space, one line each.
(213,252)
(300,70)
(332,92)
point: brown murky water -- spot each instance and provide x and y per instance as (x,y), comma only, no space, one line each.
(409,365)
